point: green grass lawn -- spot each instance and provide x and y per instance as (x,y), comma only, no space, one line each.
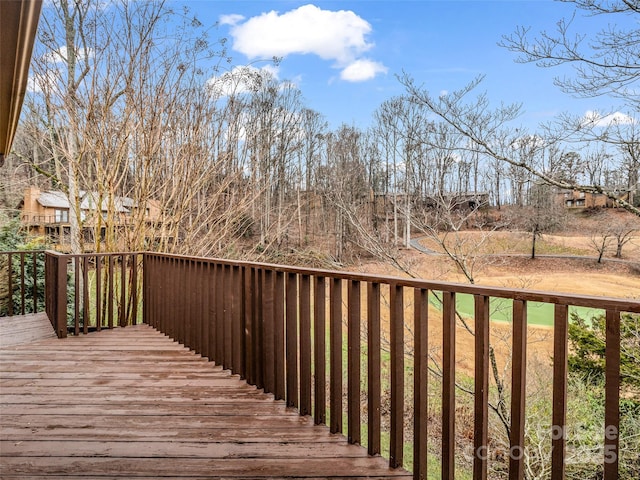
(501,310)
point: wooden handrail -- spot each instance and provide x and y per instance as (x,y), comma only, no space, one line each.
(257,320)
(286,330)
(29,299)
(73,305)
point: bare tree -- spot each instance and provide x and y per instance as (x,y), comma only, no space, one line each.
(542,214)
(622,228)
(490,132)
(600,237)
(604,63)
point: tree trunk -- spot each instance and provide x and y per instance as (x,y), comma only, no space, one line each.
(601,252)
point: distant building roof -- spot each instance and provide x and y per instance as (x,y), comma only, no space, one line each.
(53,199)
(90,201)
(57,199)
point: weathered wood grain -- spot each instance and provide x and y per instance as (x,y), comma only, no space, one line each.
(131,403)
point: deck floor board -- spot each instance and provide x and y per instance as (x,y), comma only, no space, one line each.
(131,403)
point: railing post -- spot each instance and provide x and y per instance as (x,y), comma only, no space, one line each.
(518,390)
(61,296)
(145,289)
(10,284)
(56,291)
(612,395)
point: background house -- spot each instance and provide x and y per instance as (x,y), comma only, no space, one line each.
(46,213)
(576,199)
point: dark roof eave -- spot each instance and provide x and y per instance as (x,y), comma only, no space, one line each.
(18,25)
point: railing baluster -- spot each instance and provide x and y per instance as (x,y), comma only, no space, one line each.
(61,297)
(22,286)
(353,361)
(76,295)
(238,323)
(292,339)
(159,280)
(85,294)
(268,331)
(259,357)
(165,273)
(420,379)
(278,334)
(335,356)
(305,345)
(171,308)
(207,338)
(110,294)
(448,384)
(10,284)
(612,395)
(518,390)
(123,290)
(373,368)
(34,260)
(249,345)
(134,286)
(147,264)
(186,318)
(228,320)
(98,292)
(229,326)
(193,272)
(220,330)
(396,321)
(177,292)
(196,307)
(319,353)
(559,414)
(481,388)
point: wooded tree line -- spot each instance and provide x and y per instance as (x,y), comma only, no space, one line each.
(136,100)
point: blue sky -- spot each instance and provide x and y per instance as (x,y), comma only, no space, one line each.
(344,56)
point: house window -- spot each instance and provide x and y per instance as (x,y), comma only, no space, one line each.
(579,203)
(569,203)
(62,216)
(581,194)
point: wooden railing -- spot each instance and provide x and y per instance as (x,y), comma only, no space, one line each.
(21,285)
(350,349)
(92,291)
(43,219)
(271,325)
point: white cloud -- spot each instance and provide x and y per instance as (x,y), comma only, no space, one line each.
(232,19)
(338,36)
(444,93)
(33,86)
(362,70)
(332,35)
(595,119)
(61,54)
(240,80)
(37,83)
(56,56)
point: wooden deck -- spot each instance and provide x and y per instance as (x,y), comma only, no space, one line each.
(131,403)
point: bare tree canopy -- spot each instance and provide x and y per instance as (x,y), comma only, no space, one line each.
(606,63)
(490,132)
